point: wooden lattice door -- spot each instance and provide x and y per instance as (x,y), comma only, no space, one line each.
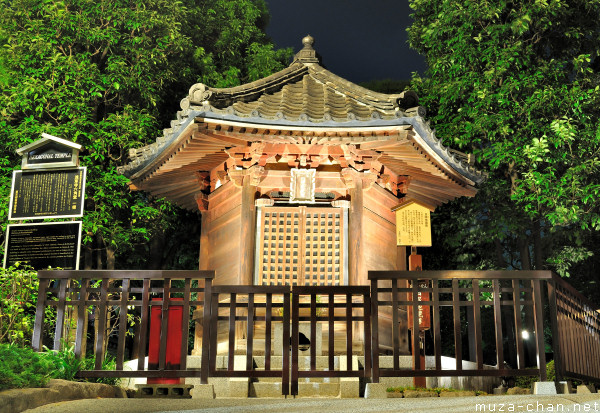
(301,246)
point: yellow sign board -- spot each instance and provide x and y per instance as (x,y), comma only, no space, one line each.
(413,225)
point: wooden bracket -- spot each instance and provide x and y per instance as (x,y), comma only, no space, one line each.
(202,201)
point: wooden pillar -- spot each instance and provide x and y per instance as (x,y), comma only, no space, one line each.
(248,224)
(355,229)
(203,262)
(401,260)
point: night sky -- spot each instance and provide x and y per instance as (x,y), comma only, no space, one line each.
(359,40)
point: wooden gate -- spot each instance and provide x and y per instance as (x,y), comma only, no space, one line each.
(301,246)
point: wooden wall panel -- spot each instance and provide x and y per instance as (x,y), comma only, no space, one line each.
(379,231)
(381,253)
(223,232)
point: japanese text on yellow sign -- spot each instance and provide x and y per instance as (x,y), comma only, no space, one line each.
(413,225)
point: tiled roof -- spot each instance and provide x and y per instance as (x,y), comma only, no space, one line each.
(304,91)
(301,97)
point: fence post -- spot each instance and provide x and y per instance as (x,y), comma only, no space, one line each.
(539,329)
(374,331)
(206,314)
(556,339)
(38,331)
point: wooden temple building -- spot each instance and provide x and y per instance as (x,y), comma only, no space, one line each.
(296,175)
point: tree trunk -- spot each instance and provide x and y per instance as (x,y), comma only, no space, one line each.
(523,245)
(88,256)
(528,321)
(157,245)
(99,248)
(500,261)
(110,258)
(538,257)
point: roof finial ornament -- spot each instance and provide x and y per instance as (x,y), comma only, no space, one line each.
(308,41)
(307,54)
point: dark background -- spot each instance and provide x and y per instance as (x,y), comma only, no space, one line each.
(359,40)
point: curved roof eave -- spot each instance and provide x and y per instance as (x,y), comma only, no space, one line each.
(425,138)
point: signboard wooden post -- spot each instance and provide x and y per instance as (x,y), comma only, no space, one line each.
(413,229)
(415,263)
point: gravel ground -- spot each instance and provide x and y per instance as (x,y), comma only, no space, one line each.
(530,403)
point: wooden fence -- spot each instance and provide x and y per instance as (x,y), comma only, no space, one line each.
(520,291)
(576,332)
(113,297)
(513,303)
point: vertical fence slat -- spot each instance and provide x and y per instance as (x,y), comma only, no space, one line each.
(38,330)
(232,313)
(575,361)
(556,333)
(596,333)
(206,330)
(348,332)
(375,329)
(214,323)
(81,317)
(331,329)
(367,333)
(395,326)
(164,324)
(477,318)
(539,328)
(268,314)
(571,343)
(60,312)
(313,332)
(594,369)
(122,323)
(145,310)
(518,324)
(250,332)
(101,313)
(185,323)
(295,316)
(416,347)
(498,324)
(457,329)
(285,374)
(586,347)
(437,336)
(590,347)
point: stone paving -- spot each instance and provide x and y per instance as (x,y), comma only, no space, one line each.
(530,403)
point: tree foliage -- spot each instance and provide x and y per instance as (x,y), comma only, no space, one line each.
(517,84)
(108,74)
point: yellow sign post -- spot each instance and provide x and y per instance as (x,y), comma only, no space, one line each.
(413,225)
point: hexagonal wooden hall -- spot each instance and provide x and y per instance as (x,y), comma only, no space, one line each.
(296,175)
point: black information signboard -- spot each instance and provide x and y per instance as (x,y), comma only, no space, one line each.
(53,244)
(47,194)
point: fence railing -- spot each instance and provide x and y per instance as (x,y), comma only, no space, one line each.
(240,309)
(516,293)
(501,311)
(115,297)
(354,308)
(576,332)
